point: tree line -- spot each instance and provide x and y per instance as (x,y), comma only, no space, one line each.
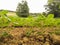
(53,7)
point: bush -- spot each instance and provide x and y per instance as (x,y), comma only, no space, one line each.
(22,9)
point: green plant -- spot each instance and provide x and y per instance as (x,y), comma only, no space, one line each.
(30,21)
(49,21)
(29,32)
(3,13)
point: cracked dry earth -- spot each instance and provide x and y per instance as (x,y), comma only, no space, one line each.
(30,36)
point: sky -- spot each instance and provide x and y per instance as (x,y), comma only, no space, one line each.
(35,6)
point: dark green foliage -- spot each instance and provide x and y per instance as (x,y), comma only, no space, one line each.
(53,7)
(44,13)
(22,9)
(35,14)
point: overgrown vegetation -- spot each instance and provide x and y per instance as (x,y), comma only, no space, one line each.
(34,29)
(30,21)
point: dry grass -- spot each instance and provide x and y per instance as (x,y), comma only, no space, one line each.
(19,36)
(11,14)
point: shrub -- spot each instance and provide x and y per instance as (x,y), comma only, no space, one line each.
(22,9)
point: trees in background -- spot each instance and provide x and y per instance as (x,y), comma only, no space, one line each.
(22,9)
(53,7)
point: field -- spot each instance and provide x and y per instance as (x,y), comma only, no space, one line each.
(29,36)
(38,30)
(11,14)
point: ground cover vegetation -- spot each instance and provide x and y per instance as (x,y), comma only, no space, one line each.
(25,29)
(38,21)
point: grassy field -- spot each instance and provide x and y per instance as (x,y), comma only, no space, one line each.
(11,14)
(38,30)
